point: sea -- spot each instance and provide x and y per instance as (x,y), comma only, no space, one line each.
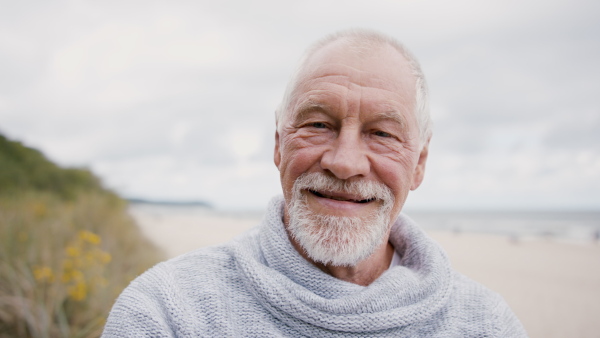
(576,226)
(571,226)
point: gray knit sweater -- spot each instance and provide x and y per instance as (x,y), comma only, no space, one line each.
(259,286)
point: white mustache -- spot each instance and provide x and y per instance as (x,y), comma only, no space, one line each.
(362,190)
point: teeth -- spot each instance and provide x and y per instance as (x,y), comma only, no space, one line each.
(341,198)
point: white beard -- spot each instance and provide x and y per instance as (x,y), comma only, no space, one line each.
(338,240)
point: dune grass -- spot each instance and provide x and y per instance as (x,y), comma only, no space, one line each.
(62,264)
(67,247)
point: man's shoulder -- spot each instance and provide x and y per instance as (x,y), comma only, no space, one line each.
(210,267)
(477,303)
(183,270)
(165,298)
(467,286)
(473,292)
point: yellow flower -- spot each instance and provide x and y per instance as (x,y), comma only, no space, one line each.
(43,273)
(78,291)
(77,275)
(73,251)
(89,237)
(104,257)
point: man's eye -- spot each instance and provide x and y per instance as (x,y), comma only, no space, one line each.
(318,125)
(382,134)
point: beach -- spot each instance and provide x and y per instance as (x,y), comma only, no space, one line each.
(552,284)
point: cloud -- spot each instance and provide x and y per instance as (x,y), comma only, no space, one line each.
(176,100)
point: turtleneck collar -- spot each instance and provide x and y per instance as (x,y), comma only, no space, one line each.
(306,298)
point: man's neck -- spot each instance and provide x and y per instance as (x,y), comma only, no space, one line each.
(364,273)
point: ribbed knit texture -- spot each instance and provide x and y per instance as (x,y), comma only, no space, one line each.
(258,285)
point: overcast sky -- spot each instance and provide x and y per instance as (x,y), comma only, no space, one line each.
(175,100)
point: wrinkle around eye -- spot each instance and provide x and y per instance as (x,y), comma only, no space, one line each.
(385,144)
(315,132)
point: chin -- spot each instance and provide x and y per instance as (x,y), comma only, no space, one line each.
(336,239)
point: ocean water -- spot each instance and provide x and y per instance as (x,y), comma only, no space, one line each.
(568,226)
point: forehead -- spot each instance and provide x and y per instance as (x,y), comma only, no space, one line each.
(380,77)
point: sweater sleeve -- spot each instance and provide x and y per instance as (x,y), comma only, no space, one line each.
(507,324)
(139,311)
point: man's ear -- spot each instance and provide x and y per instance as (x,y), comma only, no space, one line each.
(419,172)
(277,154)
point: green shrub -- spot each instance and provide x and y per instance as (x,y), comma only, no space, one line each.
(23,168)
(67,248)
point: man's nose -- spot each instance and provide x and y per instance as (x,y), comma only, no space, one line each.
(347,156)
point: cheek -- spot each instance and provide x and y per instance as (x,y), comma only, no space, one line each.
(396,171)
(300,148)
(296,159)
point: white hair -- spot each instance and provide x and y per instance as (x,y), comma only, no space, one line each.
(339,240)
(361,41)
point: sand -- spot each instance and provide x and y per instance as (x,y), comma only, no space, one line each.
(552,286)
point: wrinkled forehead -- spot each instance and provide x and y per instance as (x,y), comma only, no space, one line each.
(381,68)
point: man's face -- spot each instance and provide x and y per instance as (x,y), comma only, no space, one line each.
(351,118)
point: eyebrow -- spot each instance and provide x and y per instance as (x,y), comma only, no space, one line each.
(309,106)
(392,115)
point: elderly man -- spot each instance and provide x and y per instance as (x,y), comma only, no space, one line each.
(334,256)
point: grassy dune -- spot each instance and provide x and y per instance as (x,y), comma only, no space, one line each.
(67,248)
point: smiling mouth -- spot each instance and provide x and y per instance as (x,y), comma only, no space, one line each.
(339,198)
